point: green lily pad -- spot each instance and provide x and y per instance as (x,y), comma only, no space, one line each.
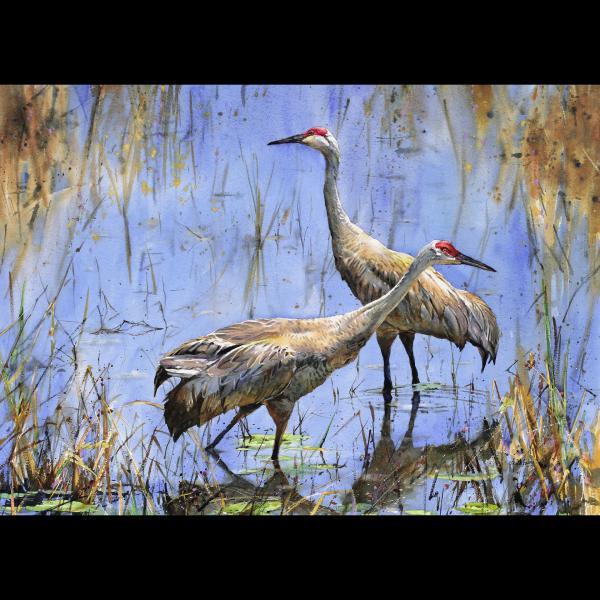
(31,493)
(253,471)
(257,508)
(478,508)
(320,466)
(267,458)
(418,511)
(61,506)
(309,449)
(491,474)
(424,387)
(268,440)
(307,468)
(16,495)
(361,507)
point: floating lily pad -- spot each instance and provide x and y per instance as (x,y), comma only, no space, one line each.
(253,471)
(256,508)
(30,494)
(268,440)
(417,512)
(267,458)
(8,496)
(61,506)
(309,449)
(363,506)
(308,468)
(478,508)
(360,508)
(319,466)
(424,387)
(491,474)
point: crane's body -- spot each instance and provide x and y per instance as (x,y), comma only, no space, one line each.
(276,361)
(432,306)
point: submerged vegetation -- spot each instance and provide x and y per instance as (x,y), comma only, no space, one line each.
(101,167)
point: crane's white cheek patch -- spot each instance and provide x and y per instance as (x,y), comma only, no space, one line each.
(310,140)
(317,142)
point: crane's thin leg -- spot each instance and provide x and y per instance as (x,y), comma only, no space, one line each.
(407,341)
(385,339)
(244,411)
(280,411)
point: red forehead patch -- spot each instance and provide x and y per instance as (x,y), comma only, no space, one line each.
(316,131)
(447,248)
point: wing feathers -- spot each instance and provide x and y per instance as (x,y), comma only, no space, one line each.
(228,368)
(431,307)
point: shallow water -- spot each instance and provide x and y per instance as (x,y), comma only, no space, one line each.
(196,267)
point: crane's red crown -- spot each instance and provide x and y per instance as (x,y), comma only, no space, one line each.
(447,248)
(316,131)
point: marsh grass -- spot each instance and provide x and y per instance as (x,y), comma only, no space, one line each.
(543,432)
(256,276)
(41,154)
(78,454)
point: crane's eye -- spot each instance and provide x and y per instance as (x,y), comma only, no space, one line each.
(446,251)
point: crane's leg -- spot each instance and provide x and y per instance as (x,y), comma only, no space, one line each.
(280,411)
(407,340)
(385,339)
(244,411)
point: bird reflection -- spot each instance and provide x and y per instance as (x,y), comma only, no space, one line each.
(203,499)
(392,470)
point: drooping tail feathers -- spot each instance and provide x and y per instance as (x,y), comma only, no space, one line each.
(182,408)
(184,403)
(160,377)
(482,327)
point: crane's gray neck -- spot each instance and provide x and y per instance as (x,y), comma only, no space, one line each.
(369,317)
(336,216)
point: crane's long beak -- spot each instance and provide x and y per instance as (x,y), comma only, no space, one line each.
(294,139)
(467,260)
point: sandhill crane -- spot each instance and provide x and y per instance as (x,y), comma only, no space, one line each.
(277,361)
(431,307)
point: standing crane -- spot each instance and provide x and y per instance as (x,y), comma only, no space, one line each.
(431,307)
(277,361)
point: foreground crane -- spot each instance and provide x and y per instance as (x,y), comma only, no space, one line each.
(431,307)
(277,361)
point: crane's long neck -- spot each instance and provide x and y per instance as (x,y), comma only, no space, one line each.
(339,222)
(369,317)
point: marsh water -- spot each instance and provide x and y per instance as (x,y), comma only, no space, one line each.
(221,227)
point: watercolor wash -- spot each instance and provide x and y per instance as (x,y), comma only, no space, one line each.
(136,218)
